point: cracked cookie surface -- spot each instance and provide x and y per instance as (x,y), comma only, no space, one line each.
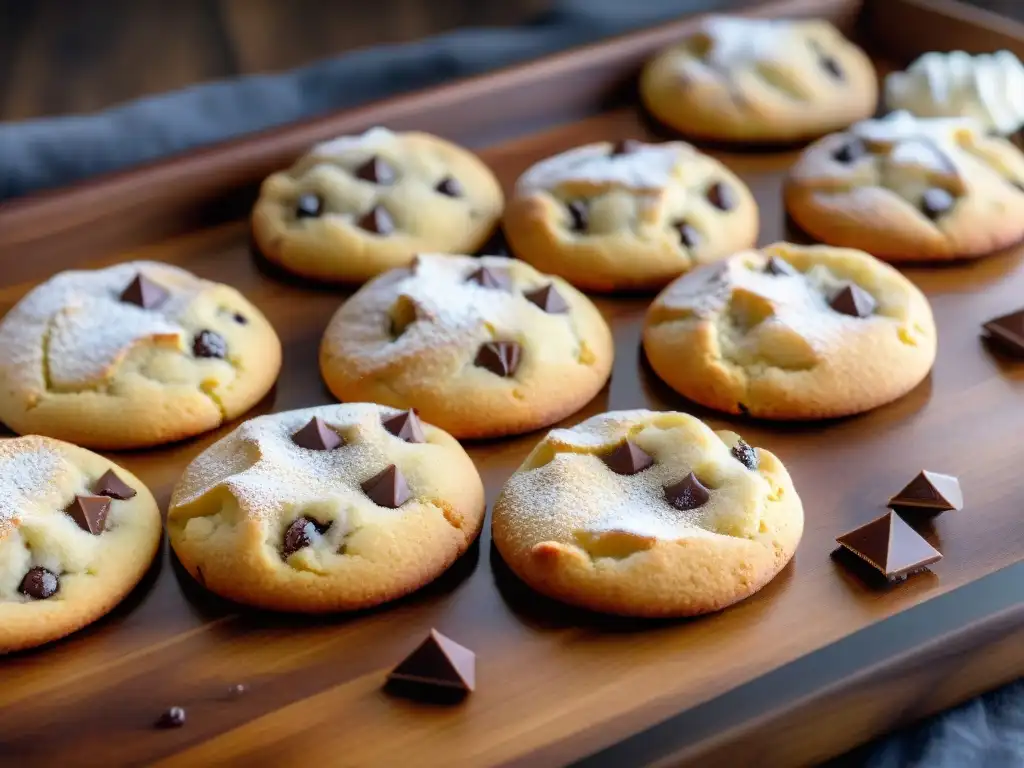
(738,79)
(791,332)
(134,355)
(647,513)
(907,188)
(357,206)
(77,533)
(628,215)
(326,509)
(479,346)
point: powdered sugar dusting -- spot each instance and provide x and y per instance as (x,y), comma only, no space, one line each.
(901,125)
(371,139)
(27,470)
(739,42)
(648,167)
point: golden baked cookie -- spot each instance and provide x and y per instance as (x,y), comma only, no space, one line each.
(628,215)
(360,205)
(648,514)
(326,509)
(911,189)
(791,332)
(763,80)
(480,347)
(133,355)
(77,533)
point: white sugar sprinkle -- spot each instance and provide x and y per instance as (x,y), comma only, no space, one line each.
(371,139)
(24,476)
(647,167)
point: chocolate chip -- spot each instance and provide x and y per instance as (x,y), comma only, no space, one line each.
(405,425)
(627,459)
(376,170)
(308,207)
(317,436)
(499,357)
(90,512)
(548,299)
(721,196)
(854,301)
(935,202)
(579,215)
(377,220)
(930,491)
(688,493)
(209,344)
(113,486)
(174,717)
(300,534)
(1008,331)
(890,546)
(626,147)
(143,292)
(830,65)
(688,234)
(388,488)
(450,186)
(746,455)
(240,319)
(780,267)
(499,279)
(39,584)
(850,152)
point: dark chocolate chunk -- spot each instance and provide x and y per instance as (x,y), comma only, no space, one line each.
(308,206)
(891,546)
(935,202)
(143,292)
(721,196)
(486,277)
(450,187)
(377,220)
(930,491)
(405,425)
(240,319)
(113,486)
(627,459)
(499,357)
(548,299)
(438,662)
(39,584)
(376,170)
(853,300)
(300,534)
(388,488)
(780,267)
(317,436)
(688,234)
(746,455)
(688,493)
(90,512)
(173,717)
(850,152)
(626,147)
(1008,330)
(209,344)
(579,215)
(830,65)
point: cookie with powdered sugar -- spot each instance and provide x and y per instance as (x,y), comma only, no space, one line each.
(643,513)
(357,206)
(326,509)
(762,80)
(481,347)
(133,355)
(628,215)
(77,533)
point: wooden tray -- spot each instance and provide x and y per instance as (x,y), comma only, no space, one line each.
(809,667)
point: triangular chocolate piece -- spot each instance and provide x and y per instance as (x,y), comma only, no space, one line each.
(627,459)
(626,147)
(377,220)
(548,299)
(491,278)
(113,486)
(853,300)
(780,267)
(891,546)
(930,491)
(143,292)
(689,237)
(405,425)
(745,455)
(90,512)
(388,488)
(721,196)
(1008,330)
(499,357)
(377,170)
(438,662)
(450,187)
(317,436)
(688,493)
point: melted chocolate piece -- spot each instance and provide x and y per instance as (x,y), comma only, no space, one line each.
(209,344)
(300,534)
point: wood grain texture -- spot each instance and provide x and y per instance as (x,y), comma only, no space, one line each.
(554,683)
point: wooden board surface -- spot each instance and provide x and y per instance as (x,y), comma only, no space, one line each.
(556,684)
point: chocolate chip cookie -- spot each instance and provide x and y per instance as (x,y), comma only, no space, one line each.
(628,215)
(360,205)
(77,533)
(133,355)
(326,509)
(789,332)
(648,514)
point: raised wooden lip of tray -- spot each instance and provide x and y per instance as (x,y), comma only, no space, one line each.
(897,660)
